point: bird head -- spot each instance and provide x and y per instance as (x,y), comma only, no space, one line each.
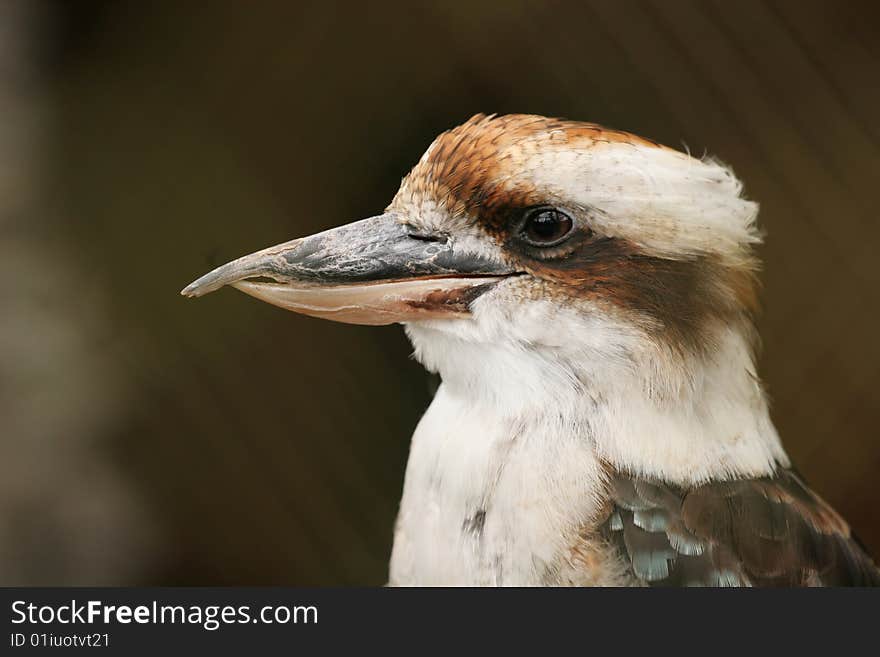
(526,234)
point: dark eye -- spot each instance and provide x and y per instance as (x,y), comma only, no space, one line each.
(546,226)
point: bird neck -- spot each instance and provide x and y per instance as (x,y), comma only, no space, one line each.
(640,407)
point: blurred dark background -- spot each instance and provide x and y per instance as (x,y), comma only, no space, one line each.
(152,439)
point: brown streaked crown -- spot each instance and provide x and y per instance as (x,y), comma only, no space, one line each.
(467,170)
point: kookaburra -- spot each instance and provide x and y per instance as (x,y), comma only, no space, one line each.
(587,297)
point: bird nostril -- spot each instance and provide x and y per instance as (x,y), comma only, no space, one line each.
(427,238)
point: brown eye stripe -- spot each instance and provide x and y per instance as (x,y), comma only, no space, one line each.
(679,297)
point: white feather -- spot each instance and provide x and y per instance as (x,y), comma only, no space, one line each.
(669,203)
(534,398)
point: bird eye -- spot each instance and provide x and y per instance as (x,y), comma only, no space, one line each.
(546,227)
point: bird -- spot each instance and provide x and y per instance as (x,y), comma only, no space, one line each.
(588,299)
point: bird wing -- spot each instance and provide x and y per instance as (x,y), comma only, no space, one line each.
(771,531)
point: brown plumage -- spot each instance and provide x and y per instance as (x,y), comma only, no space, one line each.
(467,167)
(770,531)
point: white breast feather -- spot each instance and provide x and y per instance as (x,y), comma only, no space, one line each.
(531,405)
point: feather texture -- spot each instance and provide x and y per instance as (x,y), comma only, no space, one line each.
(770,531)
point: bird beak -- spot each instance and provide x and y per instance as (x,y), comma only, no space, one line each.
(372,271)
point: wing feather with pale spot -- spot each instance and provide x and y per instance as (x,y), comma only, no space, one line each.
(771,531)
